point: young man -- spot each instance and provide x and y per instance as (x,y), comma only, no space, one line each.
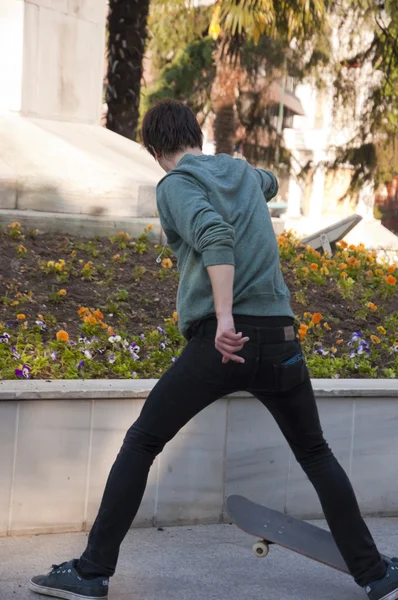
(234,308)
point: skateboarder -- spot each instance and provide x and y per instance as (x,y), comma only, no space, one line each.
(234,308)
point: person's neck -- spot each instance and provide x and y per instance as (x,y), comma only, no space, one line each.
(179,155)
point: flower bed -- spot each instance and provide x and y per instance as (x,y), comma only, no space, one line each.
(104,308)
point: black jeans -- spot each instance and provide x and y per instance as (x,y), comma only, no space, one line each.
(197,380)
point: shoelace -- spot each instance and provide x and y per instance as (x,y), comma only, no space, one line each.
(57,567)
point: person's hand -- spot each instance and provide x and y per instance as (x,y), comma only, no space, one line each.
(228,342)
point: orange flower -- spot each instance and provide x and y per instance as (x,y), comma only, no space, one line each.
(316,318)
(331,263)
(62,336)
(351,260)
(314,267)
(352,247)
(82,311)
(98,314)
(90,320)
(116,256)
(369,273)
(327,327)
(21,317)
(303,331)
(175,316)
(103,325)
(110,331)
(391,269)
(166,263)
(343,275)
(391,280)
(15,303)
(342,266)
(1,326)
(372,306)
(375,339)
(62,292)
(339,342)
(343,244)
(120,234)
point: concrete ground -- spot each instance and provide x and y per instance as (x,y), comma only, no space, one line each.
(190,563)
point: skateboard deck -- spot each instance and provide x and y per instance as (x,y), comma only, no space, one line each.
(273,527)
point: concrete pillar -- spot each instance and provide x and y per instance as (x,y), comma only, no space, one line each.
(52,58)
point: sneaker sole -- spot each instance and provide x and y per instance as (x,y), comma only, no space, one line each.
(46,591)
(391,596)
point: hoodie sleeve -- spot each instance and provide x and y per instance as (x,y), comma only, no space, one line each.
(268,183)
(184,208)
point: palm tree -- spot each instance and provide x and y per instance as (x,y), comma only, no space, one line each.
(127,33)
(236,21)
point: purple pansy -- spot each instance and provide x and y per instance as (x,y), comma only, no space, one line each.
(111,358)
(142,336)
(23,373)
(162,346)
(15,353)
(54,355)
(174,359)
(160,330)
(321,351)
(5,338)
(81,365)
(41,324)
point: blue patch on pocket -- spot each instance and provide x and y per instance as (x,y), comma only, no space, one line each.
(293,360)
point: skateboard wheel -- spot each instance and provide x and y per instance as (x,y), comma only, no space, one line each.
(260,549)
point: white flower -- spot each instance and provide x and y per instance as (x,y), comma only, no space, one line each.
(114,339)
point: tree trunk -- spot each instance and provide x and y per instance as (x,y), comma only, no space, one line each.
(127,28)
(224,99)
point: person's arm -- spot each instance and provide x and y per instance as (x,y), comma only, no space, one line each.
(268,183)
(184,206)
(227,342)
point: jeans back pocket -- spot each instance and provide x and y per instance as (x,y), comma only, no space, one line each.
(290,374)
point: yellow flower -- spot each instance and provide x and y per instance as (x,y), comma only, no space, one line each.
(372,306)
(116,256)
(149,227)
(327,327)
(316,318)
(50,264)
(175,316)
(369,273)
(375,339)
(62,336)
(15,303)
(62,292)
(21,317)
(379,272)
(343,275)
(325,271)
(391,280)
(305,270)
(381,329)
(314,267)
(73,254)
(22,249)
(334,350)
(307,315)
(166,263)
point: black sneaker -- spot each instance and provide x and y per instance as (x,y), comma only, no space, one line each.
(63,581)
(386,588)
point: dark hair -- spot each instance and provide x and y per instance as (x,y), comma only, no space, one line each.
(170,127)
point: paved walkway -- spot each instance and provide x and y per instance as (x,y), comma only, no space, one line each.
(190,563)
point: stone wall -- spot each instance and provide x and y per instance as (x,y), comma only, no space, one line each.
(59,439)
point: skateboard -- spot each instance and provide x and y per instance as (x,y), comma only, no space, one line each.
(273,527)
